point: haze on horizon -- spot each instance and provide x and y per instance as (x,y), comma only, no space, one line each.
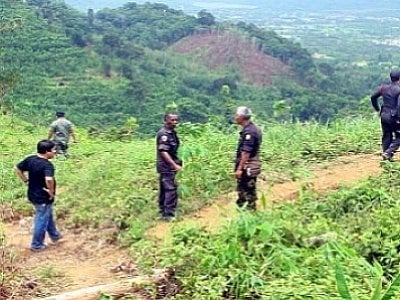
(193,6)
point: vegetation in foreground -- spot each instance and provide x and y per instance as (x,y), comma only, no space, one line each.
(112,184)
(126,169)
(343,245)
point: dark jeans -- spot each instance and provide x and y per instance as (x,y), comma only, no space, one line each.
(43,222)
(247,194)
(168,197)
(390,136)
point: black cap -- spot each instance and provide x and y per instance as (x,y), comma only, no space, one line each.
(60,113)
(395,75)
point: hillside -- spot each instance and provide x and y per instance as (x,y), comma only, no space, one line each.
(106,67)
(90,258)
(105,200)
(226,49)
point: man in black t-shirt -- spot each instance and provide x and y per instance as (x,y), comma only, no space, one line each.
(41,192)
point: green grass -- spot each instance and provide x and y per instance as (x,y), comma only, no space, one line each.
(269,254)
(114,184)
(116,181)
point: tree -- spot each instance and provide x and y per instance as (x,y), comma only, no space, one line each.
(137,90)
(106,69)
(112,40)
(8,80)
(205,18)
(91,16)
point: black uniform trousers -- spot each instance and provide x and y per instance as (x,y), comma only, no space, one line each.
(246,188)
(168,197)
(390,135)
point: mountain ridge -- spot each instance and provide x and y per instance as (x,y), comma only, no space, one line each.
(114,67)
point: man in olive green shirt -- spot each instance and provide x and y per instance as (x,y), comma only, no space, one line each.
(60,131)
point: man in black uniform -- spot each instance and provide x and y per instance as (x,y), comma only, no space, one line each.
(168,164)
(389,113)
(247,164)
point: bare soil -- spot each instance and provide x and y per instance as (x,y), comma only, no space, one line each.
(82,260)
(222,49)
(85,259)
(343,171)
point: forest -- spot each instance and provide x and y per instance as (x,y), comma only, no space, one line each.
(112,67)
(116,71)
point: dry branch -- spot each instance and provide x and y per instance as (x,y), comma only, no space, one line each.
(114,289)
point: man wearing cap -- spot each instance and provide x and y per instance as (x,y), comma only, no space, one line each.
(247,163)
(168,164)
(60,131)
(389,113)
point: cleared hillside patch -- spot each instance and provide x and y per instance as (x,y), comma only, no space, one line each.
(223,49)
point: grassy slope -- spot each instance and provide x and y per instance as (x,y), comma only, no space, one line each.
(113,184)
(116,180)
(271,254)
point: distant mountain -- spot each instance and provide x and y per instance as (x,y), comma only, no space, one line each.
(138,60)
(241,6)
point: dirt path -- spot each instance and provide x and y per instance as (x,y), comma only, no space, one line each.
(327,176)
(85,260)
(82,260)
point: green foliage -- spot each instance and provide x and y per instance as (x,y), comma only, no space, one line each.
(123,164)
(254,254)
(108,66)
(342,286)
(113,185)
(287,51)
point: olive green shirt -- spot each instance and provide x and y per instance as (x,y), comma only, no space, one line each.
(62,129)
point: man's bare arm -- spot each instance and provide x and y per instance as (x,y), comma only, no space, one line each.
(165,155)
(244,158)
(73,136)
(21,175)
(50,186)
(50,135)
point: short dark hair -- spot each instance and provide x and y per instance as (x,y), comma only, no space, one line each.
(60,113)
(395,75)
(168,114)
(45,146)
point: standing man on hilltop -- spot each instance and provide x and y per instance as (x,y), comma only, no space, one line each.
(247,163)
(60,131)
(389,113)
(168,164)
(41,192)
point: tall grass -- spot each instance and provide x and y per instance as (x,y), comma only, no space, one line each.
(287,252)
(115,182)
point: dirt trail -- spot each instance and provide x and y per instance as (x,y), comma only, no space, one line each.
(344,170)
(84,260)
